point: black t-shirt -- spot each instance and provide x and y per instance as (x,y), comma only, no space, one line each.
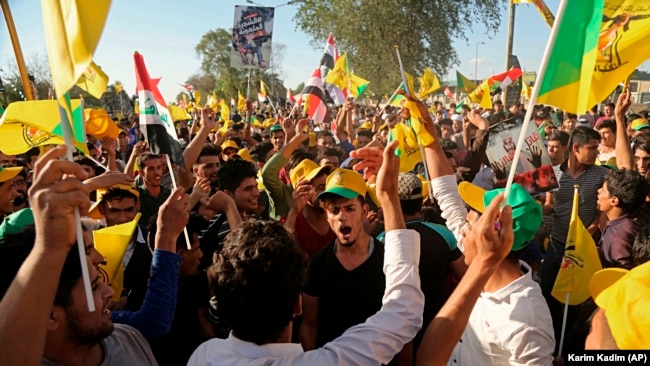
(346,298)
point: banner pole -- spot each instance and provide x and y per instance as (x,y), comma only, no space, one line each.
(171,174)
(20,60)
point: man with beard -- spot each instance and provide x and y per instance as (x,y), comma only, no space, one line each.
(208,163)
(20,184)
(8,190)
(307,218)
(152,192)
(345,281)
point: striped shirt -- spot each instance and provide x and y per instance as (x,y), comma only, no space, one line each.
(590,180)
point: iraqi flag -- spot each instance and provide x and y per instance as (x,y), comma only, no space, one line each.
(448,92)
(337,96)
(314,96)
(261,98)
(290,97)
(155,120)
(504,79)
(329,55)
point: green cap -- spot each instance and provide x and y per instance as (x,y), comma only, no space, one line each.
(275,127)
(16,222)
(526,212)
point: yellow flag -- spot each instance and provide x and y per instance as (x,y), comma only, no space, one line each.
(241,102)
(223,129)
(417,123)
(357,85)
(72,31)
(525,90)
(486,99)
(94,81)
(28,124)
(429,83)
(214,105)
(111,242)
(338,76)
(263,88)
(580,261)
(197,98)
(225,110)
(411,84)
(178,113)
(407,148)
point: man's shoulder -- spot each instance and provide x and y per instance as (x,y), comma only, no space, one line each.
(323,253)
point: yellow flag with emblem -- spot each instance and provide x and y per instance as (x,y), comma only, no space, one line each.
(407,148)
(241,102)
(112,242)
(94,81)
(225,110)
(429,83)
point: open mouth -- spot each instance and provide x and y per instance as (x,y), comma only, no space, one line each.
(345,231)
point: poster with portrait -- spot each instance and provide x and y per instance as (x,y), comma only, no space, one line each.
(534,170)
(251,37)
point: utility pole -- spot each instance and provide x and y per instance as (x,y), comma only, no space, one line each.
(511,34)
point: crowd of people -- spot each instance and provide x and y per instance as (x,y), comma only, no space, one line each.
(305,244)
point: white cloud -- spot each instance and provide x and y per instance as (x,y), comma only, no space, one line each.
(479,61)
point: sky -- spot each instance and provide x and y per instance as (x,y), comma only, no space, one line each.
(166,32)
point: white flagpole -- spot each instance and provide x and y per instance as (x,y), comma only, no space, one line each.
(171,174)
(533,97)
(66,127)
(566,310)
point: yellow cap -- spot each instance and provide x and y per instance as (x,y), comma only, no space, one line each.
(9,173)
(307,170)
(638,124)
(93,213)
(313,139)
(344,183)
(366,126)
(625,297)
(245,154)
(100,124)
(229,144)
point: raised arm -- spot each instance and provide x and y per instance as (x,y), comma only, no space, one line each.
(492,246)
(624,154)
(138,149)
(222,203)
(27,304)
(193,149)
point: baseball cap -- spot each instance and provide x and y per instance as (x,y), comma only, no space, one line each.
(526,212)
(9,173)
(307,170)
(638,124)
(229,144)
(93,213)
(275,128)
(409,187)
(625,297)
(245,154)
(344,183)
(366,126)
(16,222)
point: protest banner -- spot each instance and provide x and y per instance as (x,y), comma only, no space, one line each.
(533,170)
(251,37)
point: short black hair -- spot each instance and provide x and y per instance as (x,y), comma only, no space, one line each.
(581,135)
(237,126)
(208,149)
(322,134)
(641,246)
(561,136)
(629,187)
(448,144)
(119,194)
(330,151)
(233,172)
(641,142)
(195,225)
(367,133)
(411,207)
(608,123)
(257,279)
(446,121)
(260,151)
(14,249)
(297,157)
(142,159)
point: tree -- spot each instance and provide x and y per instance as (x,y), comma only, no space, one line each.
(423,29)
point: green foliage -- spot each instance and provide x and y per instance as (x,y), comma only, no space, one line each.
(368,30)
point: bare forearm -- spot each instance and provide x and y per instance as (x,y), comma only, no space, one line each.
(352,134)
(193,150)
(234,219)
(26,306)
(437,164)
(128,169)
(393,218)
(624,157)
(291,146)
(112,166)
(290,222)
(446,328)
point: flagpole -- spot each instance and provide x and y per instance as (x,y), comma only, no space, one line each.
(171,174)
(20,60)
(566,311)
(408,94)
(533,97)
(66,128)
(388,102)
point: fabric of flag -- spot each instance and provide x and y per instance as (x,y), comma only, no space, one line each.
(290,97)
(224,110)
(448,92)
(407,147)
(429,83)
(241,102)
(178,113)
(465,84)
(481,95)
(504,79)
(397,100)
(329,54)
(263,89)
(27,124)
(569,80)
(155,121)
(72,32)
(417,123)
(315,98)
(410,82)
(338,75)
(580,261)
(357,85)
(459,107)
(336,96)
(261,98)
(94,81)
(541,6)
(197,98)
(112,242)
(526,91)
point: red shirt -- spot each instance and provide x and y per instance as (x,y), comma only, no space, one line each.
(308,239)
